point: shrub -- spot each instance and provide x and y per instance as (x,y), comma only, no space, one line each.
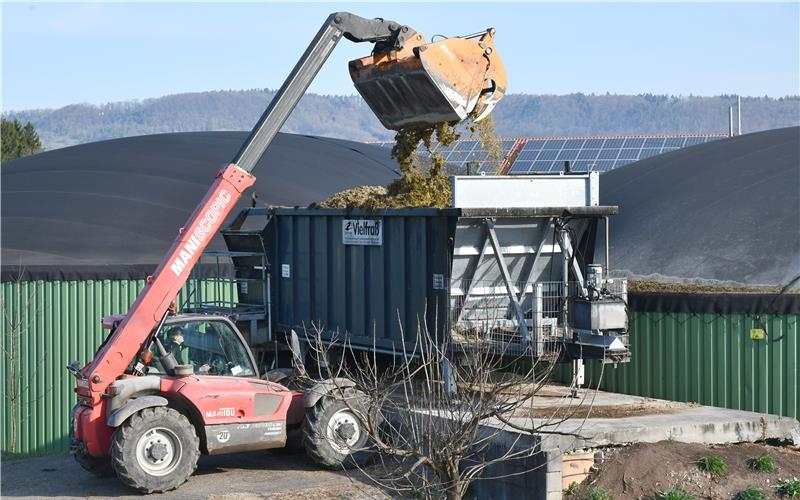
(790,488)
(751,494)
(599,494)
(712,465)
(674,493)
(571,489)
(763,463)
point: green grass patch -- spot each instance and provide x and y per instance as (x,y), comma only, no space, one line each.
(751,494)
(712,465)
(763,463)
(674,493)
(599,494)
(789,488)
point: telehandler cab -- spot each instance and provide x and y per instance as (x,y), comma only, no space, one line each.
(165,387)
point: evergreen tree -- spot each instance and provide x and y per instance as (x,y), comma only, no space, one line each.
(18,140)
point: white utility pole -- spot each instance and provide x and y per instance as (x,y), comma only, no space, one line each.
(730,121)
(739,115)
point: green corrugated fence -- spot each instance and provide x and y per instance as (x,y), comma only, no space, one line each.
(704,358)
(710,359)
(45,326)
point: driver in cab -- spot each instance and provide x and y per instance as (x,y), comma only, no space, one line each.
(176,344)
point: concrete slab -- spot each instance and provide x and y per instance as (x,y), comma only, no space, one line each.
(703,424)
(633,419)
(568,425)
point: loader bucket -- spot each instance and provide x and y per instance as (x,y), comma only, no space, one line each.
(427,83)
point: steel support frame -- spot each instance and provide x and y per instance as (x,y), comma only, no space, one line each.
(539,248)
(516,299)
(565,242)
(481,255)
(498,254)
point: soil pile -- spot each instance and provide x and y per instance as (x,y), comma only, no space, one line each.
(648,286)
(367,197)
(643,470)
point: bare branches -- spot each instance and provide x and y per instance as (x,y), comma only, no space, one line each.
(435,411)
(15,325)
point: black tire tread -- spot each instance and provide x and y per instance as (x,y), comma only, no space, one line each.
(315,442)
(99,466)
(127,472)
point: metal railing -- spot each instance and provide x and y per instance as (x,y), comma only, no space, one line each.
(534,315)
(219,289)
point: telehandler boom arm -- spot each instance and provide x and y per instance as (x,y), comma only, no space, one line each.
(163,286)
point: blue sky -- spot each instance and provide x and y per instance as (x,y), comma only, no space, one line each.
(62,53)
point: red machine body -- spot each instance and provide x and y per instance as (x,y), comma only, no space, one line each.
(116,356)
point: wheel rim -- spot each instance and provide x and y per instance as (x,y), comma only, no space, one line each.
(158,451)
(343,432)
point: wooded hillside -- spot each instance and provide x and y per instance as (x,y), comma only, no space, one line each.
(349,117)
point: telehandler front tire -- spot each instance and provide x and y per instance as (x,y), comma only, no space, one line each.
(155,450)
(333,436)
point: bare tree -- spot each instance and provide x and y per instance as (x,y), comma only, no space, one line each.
(16,324)
(434,416)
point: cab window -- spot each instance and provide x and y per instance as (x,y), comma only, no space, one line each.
(211,347)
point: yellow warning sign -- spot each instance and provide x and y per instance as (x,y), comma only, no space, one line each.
(757,334)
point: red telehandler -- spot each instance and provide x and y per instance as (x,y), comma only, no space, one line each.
(163,387)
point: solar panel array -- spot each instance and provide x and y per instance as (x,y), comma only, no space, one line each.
(596,154)
(548,154)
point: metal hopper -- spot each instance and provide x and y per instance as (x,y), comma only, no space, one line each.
(427,83)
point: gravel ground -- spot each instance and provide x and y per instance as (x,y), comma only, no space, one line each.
(243,476)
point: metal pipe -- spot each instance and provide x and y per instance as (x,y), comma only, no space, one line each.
(269,306)
(477,34)
(607,258)
(266,276)
(565,287)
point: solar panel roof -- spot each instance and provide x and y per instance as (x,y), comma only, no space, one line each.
(547,154)
(598,154)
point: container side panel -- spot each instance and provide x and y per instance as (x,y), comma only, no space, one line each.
(302,269)
(321,272)
(355,290)
(395,244)
(376,298)
(337,314)
(416,269)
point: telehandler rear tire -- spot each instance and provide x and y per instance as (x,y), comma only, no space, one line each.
(99,466)
(333,436)
(155,450)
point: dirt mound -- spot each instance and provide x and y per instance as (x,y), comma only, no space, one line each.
(642,470)
(650,286)
(369,197)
